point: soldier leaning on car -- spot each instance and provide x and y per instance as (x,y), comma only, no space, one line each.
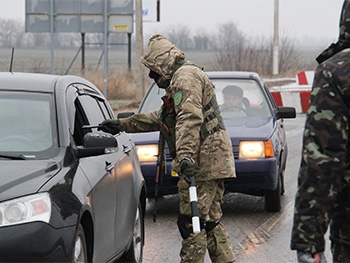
(323,195)
(198,142)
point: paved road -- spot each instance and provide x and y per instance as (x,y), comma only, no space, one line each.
(256,236)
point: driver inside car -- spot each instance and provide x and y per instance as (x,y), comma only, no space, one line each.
(233,99)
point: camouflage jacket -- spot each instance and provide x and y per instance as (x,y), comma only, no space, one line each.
(191,91)
(324,169)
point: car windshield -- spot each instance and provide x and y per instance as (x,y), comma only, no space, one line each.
(236,98)
(27,126)
(241,98)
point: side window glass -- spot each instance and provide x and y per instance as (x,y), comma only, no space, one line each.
(107,112)
(89,109)
(79,120)
(91,106)
(271,99)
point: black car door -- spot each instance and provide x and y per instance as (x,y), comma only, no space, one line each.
(111,179)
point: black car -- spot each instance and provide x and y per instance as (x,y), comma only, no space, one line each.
(68,193)
(257,134)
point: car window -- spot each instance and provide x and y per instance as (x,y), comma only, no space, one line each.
(90,110)
(152,100)
(27,124)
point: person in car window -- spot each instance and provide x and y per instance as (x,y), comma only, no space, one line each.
(233,99)
(199,144)
(323,195)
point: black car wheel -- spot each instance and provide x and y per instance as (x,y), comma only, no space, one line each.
(80,250)
(135,252)
(273,198)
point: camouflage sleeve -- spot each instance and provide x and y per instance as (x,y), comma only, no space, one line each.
(140,122)
(188,107)
(324,160)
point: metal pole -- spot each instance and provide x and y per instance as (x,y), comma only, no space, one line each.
(52,36)
(82,51)
(139,51)
(275,58)
(105,68)
(129,51)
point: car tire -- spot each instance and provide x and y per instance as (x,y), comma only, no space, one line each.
(273,198)
(135,252)
(80,249)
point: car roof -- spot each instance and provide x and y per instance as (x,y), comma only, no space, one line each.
(36,82)
(27,81)
(233,74)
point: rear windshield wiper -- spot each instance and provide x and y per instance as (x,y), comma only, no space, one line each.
(14,157)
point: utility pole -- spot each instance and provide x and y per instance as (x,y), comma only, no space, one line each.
(275,59)
(139,51)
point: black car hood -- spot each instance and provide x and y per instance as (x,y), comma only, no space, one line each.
(251,128)
(23,177)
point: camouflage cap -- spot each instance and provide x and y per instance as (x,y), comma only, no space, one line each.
(162,56)
(344,35)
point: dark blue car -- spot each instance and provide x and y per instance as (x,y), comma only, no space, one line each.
(257,134)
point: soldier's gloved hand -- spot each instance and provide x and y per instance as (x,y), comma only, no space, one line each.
(187,169)
(306,257)
(110,126)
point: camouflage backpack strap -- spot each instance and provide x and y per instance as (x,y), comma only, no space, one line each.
(168,122)
(215,114)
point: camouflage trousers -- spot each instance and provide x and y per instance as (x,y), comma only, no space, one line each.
(216,241)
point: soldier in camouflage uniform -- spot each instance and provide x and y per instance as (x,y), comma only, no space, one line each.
(323,196)
(198,142)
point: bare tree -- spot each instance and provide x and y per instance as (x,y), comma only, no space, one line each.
(235,51)
(180,35)
(11,32)
(202,40)
(229,45)
(289,56)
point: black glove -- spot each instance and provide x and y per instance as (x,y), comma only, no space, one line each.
(110,126)
(187,169)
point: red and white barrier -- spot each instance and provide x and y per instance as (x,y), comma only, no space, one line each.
(295,95)
(297,98)
(305,77)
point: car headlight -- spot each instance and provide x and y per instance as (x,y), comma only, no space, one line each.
(26,209)
(255,149)
(147,153)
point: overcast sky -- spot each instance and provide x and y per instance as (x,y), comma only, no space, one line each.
(314,18)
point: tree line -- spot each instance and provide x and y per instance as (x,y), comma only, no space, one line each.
(234,50)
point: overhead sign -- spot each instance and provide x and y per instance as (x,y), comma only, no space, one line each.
(150,10)
(86,16)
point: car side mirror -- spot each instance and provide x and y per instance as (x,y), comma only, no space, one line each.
(285,112)
(97,144)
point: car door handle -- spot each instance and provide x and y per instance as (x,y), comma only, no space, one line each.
(126,149)
(109,166)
